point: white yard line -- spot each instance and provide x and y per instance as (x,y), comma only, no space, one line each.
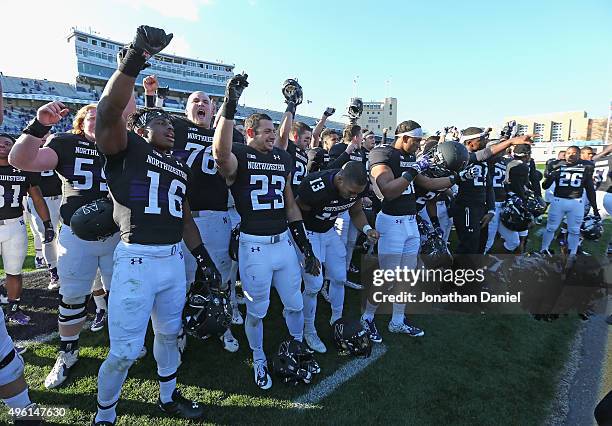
(349,370)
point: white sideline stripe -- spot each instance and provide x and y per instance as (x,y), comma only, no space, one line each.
(342,375)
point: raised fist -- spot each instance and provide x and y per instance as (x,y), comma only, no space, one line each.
(151,40)
(235,86)
(150,84)
(51,113)
(329,111)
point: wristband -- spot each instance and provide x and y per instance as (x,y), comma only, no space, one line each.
(299,236)
(202,257)
(149,101)
(228,109)
(37,129)
(453,179)
(133,62)
(48,224)
(366,228)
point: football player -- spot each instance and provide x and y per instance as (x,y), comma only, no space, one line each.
(571,178)
(497,180)
(51,188)
(516,181)
(259,174)
(299,139)
(149,188)
(394,170)
(323,196)
(318,157)
(193,136)
(14,185)
(75,158)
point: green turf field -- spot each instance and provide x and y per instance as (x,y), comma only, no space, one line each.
(468,369)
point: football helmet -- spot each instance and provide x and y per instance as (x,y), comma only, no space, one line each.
(207,311)
(450,155)
(514,214)
(294,363)
(351,338)
(94,221)
(434,251)
(355,109)
(536,205)
(234,243)
(292,91)
(591,228)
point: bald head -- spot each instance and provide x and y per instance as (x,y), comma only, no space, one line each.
(199,109)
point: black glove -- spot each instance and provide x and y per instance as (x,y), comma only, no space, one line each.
(596,214)
(329,111)
(148,42)
(233,91)
(312,265)
(208,270)
(49,232)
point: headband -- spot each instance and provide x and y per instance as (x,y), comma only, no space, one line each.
(465,138)
(414,133)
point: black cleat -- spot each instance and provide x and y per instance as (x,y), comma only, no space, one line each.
(181,407)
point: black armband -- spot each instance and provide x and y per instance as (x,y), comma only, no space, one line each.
(298,232)
(132,62)
(149,101)
(291,107)
(410,174)
(228,109)
(202,257)
(37,129)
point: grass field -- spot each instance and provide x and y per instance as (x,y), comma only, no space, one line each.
(468,369)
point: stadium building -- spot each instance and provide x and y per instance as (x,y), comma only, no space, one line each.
(379,115)
(95,60)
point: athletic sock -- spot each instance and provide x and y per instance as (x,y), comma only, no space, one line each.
(21,400)
(369,312)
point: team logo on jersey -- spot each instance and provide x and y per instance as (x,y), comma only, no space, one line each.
(254,249)
(251,156)
(276,157)
(136,260)
(193,129)
(85,143)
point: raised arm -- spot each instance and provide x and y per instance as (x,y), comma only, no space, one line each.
(491,151)
(226,161)
(607,150)
(316,133)
(27,153)
(111,135)
(150,85)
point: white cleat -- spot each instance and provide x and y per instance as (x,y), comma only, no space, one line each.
(315,343)
(59,373)
(230,343)
(262,375)
(237,316)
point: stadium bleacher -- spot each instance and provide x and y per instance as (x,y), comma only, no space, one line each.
(24,95)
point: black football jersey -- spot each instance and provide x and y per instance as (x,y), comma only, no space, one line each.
(338,149)
(79,165)
(318,159)
(318,191)
(572,178)
(148,190)
(50,184)
(474,191)
(602,175)
(398,162)
(258,189)
(14,185)
(300,165)
(193,146)
(498,177)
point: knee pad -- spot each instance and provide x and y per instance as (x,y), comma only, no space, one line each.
(72,310)
(312,285)
(166,339)
(120,363)
(11,368)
